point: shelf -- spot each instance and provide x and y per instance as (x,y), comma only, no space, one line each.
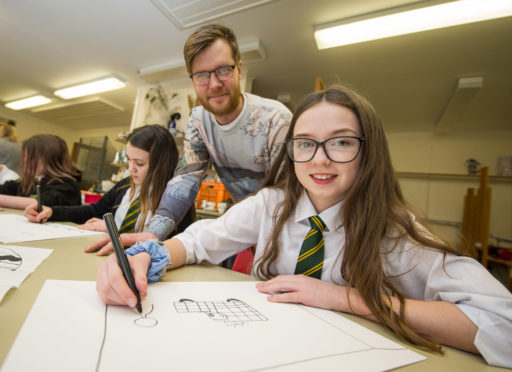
(125,140)
(204,213)
(453,177)
(120,165)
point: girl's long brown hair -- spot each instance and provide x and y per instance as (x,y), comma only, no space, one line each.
(163,158)
(373,207)
(52,151)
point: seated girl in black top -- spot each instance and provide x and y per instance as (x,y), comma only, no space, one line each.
(152,156)
(44,160)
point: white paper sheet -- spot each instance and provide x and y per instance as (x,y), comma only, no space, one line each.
(16,228)
(16,263)
(192,326)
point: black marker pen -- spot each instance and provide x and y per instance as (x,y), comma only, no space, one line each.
(38,197)
(122,260)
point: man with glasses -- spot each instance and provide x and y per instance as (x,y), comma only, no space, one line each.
(240,133)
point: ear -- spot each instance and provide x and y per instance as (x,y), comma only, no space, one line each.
(239,66)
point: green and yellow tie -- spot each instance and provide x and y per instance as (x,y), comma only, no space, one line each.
(311,257)
(130,219)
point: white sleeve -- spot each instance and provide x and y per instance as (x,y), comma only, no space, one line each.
(425,274)
(485,301)
(214,240)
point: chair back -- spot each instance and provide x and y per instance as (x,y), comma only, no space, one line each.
(476,219)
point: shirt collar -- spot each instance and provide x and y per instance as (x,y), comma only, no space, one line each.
(331,216)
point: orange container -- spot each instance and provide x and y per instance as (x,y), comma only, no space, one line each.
(212,192)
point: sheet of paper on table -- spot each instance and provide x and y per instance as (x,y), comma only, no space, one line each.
(16,228)
(16,263)
(193,326)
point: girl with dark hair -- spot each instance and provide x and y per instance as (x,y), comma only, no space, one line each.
(152,158)
(45,161)
(333,231)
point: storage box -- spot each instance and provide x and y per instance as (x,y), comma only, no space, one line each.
(212,192)
(90,198)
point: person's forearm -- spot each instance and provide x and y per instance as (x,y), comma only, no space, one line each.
(18,202)
(160,226)
(440,321)
(177,253)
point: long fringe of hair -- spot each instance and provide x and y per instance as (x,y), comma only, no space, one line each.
(52,152)
(163,158)
(373,207)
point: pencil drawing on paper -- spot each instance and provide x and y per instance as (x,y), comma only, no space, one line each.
(9,260)
(145,321)
(232,312)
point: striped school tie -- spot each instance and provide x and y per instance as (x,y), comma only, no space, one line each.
(130,219)
(311,257)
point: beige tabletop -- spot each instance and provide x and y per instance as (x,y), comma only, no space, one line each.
(68,262)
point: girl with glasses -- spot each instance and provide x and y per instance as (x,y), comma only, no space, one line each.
(333,231)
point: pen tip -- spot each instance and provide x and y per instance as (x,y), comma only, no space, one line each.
(139,308)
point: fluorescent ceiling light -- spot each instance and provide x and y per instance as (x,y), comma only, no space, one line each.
(28,102)
(101,85)
(400,22)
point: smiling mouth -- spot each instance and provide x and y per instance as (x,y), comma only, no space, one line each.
(323,176)
(217,95)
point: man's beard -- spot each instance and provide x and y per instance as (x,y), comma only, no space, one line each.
(234,101)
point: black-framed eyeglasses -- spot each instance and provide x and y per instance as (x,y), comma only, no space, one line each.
(203,78)
(341,149)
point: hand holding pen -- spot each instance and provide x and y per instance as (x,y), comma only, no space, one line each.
(33,215)
(122,259)
(39,204)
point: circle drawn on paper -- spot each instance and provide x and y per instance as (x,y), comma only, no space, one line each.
(9,260)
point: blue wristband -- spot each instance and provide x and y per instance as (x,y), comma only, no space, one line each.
(159,257)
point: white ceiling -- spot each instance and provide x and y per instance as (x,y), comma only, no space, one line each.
(411,79)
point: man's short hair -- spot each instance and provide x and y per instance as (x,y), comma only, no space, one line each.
(205,36)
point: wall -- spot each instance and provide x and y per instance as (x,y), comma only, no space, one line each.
(442,200)
(155,103)
(27,126)
(111,132)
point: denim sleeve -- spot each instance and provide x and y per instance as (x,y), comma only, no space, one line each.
(176,201)
(181,191)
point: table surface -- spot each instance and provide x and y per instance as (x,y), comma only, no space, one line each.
(69,262)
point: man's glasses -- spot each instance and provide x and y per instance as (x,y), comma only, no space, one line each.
(342,149)
(203,78)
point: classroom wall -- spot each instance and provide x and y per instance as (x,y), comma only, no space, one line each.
(442,200)
(27,126)
(155,103)
(110,132)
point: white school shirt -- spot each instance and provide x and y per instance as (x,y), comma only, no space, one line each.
(7,174)
(125,205)
(415,270)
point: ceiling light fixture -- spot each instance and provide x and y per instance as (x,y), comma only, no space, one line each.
(104,84)
(21,104)
(407,20)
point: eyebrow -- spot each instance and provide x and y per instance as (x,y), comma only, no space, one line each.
(339,132)
(135,159)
